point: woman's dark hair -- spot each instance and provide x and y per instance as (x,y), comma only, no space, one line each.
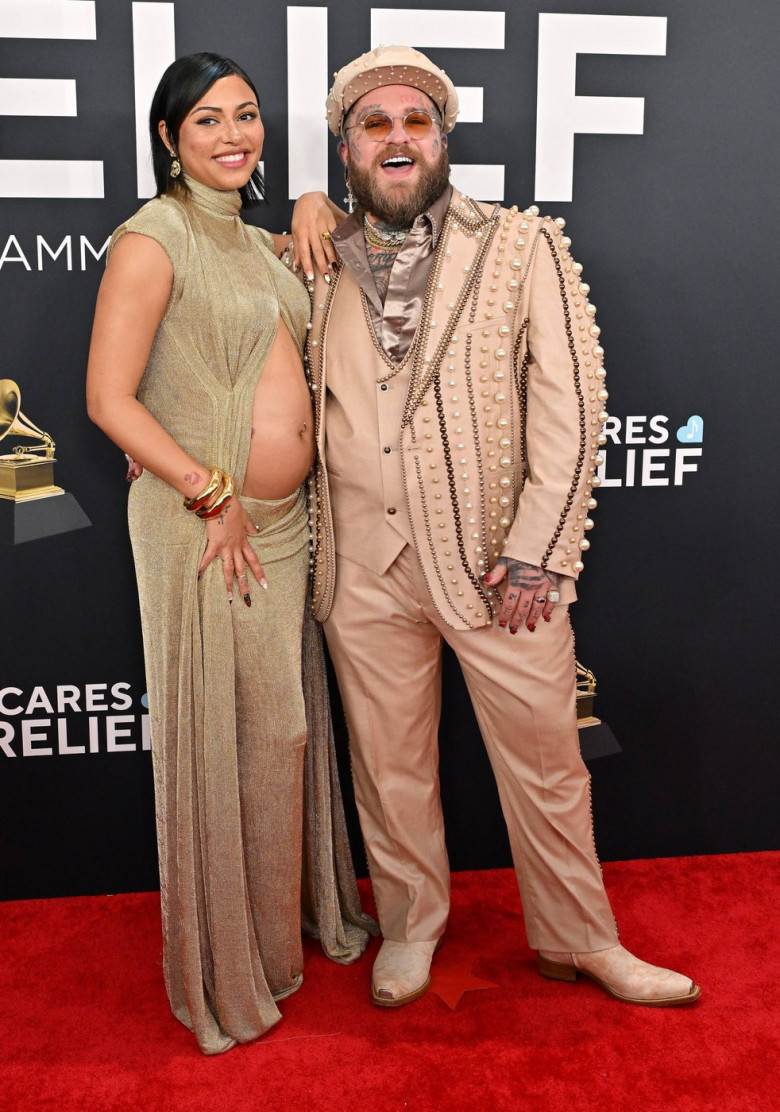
(181,87)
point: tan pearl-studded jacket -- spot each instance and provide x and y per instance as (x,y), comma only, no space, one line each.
(503,417)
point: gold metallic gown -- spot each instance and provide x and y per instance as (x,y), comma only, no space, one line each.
(251,835)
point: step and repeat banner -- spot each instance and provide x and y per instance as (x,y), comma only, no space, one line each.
(652,128)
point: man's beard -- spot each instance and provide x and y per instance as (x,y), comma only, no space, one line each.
(398,207)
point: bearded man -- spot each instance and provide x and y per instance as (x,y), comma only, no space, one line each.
(457,374)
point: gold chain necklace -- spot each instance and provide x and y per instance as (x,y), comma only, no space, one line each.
(386,241)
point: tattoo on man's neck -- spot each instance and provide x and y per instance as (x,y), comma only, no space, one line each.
(381,263)
(382,226)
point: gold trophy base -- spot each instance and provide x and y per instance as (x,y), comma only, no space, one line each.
(585,715)
(25,477)
(31,505)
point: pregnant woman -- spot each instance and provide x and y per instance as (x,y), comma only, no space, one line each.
(195,370)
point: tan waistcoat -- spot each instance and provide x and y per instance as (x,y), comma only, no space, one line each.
(365,405)
(494,449)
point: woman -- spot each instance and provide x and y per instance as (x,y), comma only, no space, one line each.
(195,371)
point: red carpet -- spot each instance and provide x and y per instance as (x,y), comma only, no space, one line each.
(85,1024)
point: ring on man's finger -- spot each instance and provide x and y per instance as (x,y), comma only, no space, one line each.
(541,599)
(553,596)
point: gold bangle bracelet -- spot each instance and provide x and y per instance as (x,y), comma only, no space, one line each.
(216,480)
(216,506)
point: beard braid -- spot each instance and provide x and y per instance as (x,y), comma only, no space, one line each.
(399,208)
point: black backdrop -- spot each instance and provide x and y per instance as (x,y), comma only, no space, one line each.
(675,224)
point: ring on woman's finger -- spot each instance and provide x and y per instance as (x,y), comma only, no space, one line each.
(553,596)
(543,598)
(325,235)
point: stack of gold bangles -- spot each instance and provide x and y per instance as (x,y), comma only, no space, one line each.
(212,499)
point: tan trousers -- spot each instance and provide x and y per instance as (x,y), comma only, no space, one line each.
(384,637)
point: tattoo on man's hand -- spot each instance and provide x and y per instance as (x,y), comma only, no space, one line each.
(529,577)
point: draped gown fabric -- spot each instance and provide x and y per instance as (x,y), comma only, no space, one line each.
(251,833)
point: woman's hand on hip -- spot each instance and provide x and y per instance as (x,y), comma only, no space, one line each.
(227,541)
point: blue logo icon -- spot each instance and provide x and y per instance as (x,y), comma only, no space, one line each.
(693,432)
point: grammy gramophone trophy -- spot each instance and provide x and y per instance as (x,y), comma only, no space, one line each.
(586,694)
(597,740)
(31,504)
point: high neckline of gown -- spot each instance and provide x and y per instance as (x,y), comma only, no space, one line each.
(214,200)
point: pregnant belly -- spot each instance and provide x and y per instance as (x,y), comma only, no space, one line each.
(282,448)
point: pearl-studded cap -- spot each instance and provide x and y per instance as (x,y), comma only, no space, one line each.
(390,65)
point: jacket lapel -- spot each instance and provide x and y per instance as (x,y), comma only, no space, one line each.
(460,257)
